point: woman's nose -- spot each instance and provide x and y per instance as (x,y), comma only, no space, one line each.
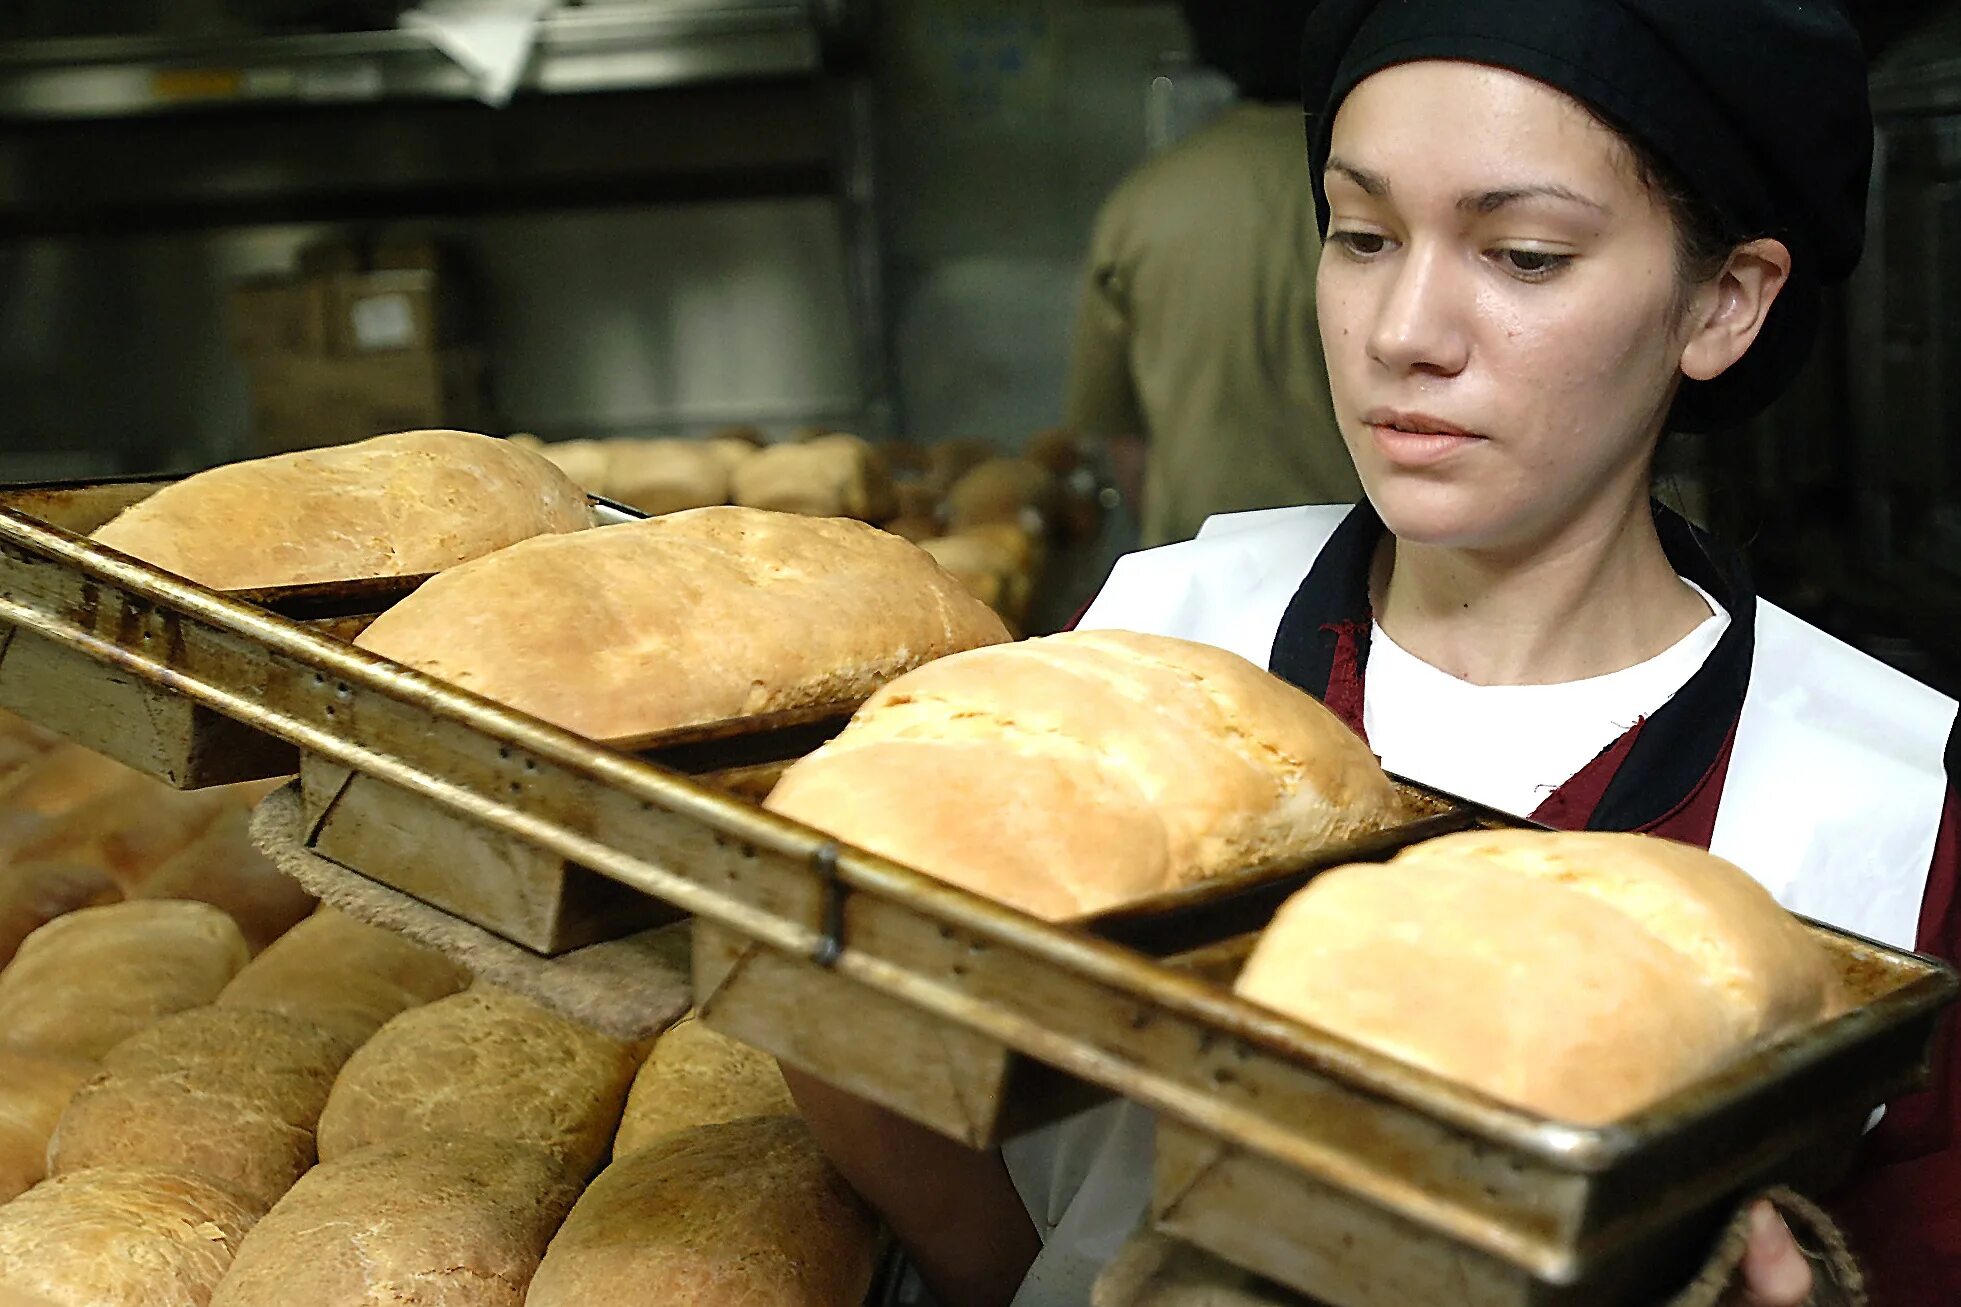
(1418,325)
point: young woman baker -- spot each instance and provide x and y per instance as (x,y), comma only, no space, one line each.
(1554,229)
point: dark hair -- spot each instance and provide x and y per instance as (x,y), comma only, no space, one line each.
(1704,237)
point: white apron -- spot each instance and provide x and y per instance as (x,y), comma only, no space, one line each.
(1833,801)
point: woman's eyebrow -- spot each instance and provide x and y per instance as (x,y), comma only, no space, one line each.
(1372,183)
(1491,201)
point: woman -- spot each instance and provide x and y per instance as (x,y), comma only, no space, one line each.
(1554,228)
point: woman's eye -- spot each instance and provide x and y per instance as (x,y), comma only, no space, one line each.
(1533,265)
(1362,244)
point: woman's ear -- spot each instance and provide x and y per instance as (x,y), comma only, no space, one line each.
(1727,313)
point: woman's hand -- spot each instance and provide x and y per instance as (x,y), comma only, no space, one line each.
(1774,1271)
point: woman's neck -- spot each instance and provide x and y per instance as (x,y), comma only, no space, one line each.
(1598,597)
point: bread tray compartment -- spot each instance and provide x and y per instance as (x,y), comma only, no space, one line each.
(956,1080)
(1363,1183)
(130,706)
(526,894)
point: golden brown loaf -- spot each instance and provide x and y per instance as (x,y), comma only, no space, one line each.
(744,1213)
(224,868)
(64,777)
(696,1077)
(227,1094)
(121,1237)
(129,830)
(396,505)
(432,1221)
(344,975)
(827,476)
(85,982)
(483,1062)
(1581,976)
(1069,774)
(34,1088)
(695,617)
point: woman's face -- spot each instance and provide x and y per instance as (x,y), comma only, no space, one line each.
(1499,304)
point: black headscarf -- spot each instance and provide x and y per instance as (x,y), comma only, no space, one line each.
(1758,106)
(1256,43)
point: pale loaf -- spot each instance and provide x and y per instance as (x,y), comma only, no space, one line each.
(695,617)
(121,1237)
(224,868)
(483,1062)
(228,1094)
(1582,976)
(696,1077)
(440,1222)
(828,476)
(395,505)
(1000,490)
(748,1212)
(34,1088)
(85,982)
(344,975)
(34,893)
(668,476)
(1069,774)
(586,463)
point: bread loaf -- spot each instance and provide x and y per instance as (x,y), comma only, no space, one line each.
(695,617)
(586,463)
(746,1212)
(34,893)
(668,476)
(827,476)
(483,1062)
(1000,490)
(443,1222)
(128,831)
(344,975)
(118,1237)
(224,868)
(64,777)
(227,1094)
(34,1088)
(85,982)
(1582,976)
(1073,773)
(392,506)
(696,1077)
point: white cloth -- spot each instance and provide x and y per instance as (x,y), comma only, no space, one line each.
(1832,800)
(1510,746)
(490,39)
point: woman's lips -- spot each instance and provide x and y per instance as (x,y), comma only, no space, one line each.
(1415,440)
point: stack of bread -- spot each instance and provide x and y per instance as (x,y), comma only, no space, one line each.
(989,519)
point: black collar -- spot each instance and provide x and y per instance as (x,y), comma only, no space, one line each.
(1673,750)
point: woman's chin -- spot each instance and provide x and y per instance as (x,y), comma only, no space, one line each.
(1444,516)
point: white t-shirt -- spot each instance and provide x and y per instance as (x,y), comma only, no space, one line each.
(1510,746)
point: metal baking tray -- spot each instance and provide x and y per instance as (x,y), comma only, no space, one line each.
(1360,1181)
(132,718)
(1420,1163)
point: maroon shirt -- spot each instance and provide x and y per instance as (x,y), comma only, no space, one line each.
(1665,777)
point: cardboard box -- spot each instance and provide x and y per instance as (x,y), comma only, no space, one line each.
(303,402)
(279,316)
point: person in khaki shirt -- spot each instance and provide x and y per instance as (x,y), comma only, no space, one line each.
(1196,334)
